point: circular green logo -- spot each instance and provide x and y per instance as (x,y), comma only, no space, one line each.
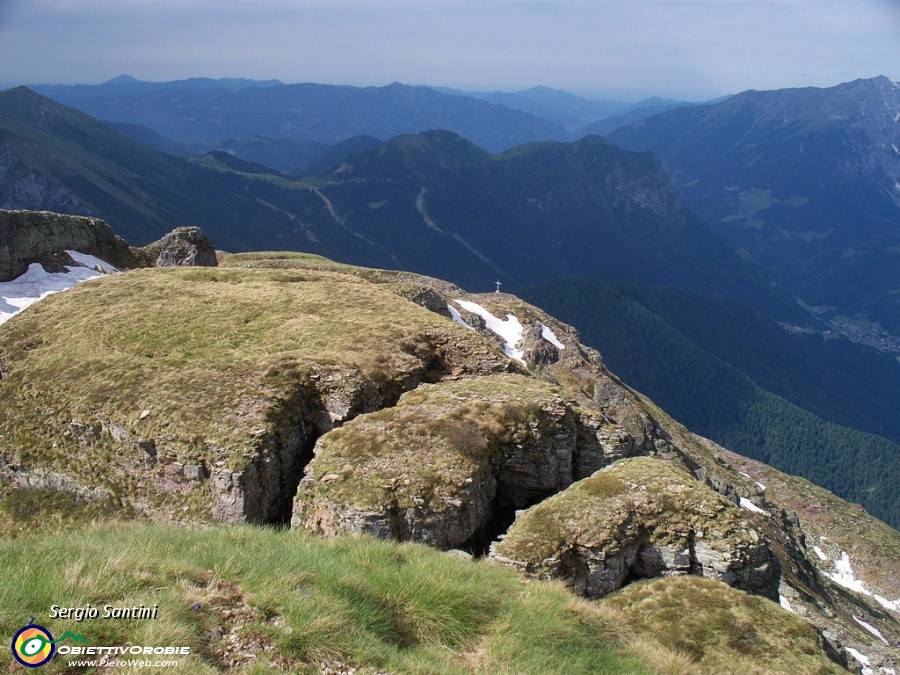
(33,646)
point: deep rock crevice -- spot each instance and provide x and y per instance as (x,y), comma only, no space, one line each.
(321,401)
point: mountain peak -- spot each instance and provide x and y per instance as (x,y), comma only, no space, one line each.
(412,153)
(27,106)
(122,79)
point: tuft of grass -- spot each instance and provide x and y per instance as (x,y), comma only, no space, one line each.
(665,660)
(292,601)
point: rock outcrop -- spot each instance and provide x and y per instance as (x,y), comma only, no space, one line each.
(33,236)
(723,630)
(639,518)
(182,247)
(440,465)
(277,358)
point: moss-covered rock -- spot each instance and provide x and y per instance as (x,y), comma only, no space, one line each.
(639,518)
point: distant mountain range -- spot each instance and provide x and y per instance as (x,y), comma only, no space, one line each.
(285,126)
(578,116)
(199,112)
(59,159)
(521,216)
(805,181)
(437,204)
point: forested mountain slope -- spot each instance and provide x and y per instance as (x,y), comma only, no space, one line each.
(806,181)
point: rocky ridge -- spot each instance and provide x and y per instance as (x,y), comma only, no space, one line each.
(43,236)
(353,400)
(39,236)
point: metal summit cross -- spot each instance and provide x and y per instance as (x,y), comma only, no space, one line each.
(498,286)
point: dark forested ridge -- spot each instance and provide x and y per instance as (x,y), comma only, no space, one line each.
(58,159)
(722,384)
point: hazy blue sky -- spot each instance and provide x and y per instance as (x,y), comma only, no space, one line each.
(631,48)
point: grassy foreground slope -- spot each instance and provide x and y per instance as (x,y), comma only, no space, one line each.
(257,600)
(280,601)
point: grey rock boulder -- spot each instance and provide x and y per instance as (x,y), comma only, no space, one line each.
(183,247)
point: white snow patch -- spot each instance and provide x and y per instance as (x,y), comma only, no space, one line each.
(843,576)
(92,262)
(784,602)
(859,657)
(457,317)
(893,605)
(509,329)
(750,506)
(36,283)
(874,631)
(888,671)
(820,553)
(550,337)
(757,483)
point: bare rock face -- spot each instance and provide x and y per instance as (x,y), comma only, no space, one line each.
(29,236)
(183,247)
(639,518)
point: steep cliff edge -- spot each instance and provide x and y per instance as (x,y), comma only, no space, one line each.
(284,387)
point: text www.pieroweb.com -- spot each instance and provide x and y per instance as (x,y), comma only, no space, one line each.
(123,663)
(122,657)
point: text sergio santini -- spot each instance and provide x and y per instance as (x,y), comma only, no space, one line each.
(108,612)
